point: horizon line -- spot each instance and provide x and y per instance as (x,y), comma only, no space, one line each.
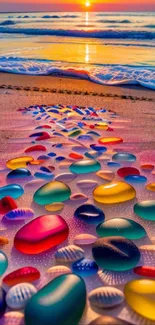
(34,11)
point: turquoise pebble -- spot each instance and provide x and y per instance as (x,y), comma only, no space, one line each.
(135,179)
(93,154)
(19,173)
(85,166)
(61,301)
(13,190)
(124,157)
(145,209)
(43,175)
(121,227)
(3,263)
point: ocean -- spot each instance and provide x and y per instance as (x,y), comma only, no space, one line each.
(105,47)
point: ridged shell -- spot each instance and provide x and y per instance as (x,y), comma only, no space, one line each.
(69,253)
(52,273)
(84,239)
(106,297)
(12,318)
(19,214)
(18,296)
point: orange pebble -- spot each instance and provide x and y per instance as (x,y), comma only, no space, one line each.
(36,162)
(147,167)
(3,241)
(75,155)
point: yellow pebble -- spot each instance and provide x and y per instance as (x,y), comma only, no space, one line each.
(150,187)
(19,162)
(114,192)
(54,207)
(3,241)
(140,295)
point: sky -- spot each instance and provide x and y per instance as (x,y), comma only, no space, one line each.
(76,5)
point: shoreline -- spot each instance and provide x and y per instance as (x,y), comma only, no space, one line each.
(73,86)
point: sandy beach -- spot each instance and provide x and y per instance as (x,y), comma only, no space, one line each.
(134,123)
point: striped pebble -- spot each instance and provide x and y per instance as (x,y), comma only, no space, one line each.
(106,297)
(19,214)
(69,253)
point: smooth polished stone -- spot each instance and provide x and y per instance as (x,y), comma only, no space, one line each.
(37,147)
(107,141)
(147,167)
(56,302)
(150,187)
(3,241)
(19,173)
(140,296)
(19,162)
(19,295)
(79,197)
(124,157)
(2,303)
(98,148)
(7,204)
(114,192)
(85,267)
(135,179)
(54,207)
(13,190)
(87,184)
(106,297)
(40,234)
(89,213)
(126,171)
(145,209)
(24,274)
(115,253)
(65,177)
(146,271)
(85,166)
(121,227)
(52,192)
(3,263)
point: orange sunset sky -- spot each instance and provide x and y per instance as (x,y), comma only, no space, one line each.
(77,5)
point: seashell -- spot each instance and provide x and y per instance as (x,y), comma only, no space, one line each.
(106,297)
(12,318)
(18,296)
(19,214)
(79,197)
(55,271)
(84,239)
(87,184)
(65,177)
(69,253)
(24,274)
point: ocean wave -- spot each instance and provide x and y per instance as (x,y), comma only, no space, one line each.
(103,74)
(149,26)
(104,34)
(112,21)
(7,23)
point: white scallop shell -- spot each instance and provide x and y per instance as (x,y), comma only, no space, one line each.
(69,253)
(18,296)
(12,318)
(106,297)
(84,239)
(87,184)
(65,177)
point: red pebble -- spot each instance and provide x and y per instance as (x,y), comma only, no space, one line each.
(44,136)
(147,167)
(36,148)
(24,274)
(7,204)
(91,126)
(147,271)
(110,129)
(125,171)
(75,155)
(93,114)
(45,126)
(40,234)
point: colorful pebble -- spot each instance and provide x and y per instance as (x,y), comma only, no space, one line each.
(85,166)
(52,192)
(19,214)
(89,213)
(24,274)
(84,239)
(145,209)
(13,190)
(19,162)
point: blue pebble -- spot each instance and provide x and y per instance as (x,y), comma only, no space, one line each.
(43,175)
(124,157)
(98,148)
(85,267)
(45,169)
(113,164)
(60,158)
(19,173)
(135,179)
(43,157)
(52,154)
(13,190)
(89,214)
(85,137)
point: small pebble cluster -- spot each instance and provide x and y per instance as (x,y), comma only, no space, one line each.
(96,261)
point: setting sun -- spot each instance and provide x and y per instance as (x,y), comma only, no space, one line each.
(87,4)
